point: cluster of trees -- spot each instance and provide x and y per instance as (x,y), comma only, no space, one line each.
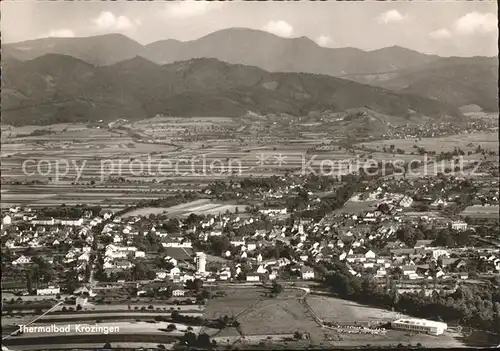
(475,305)
(202,341)
(219,323)
(276,289)
(342,194)
(148,243)
(393,149)
(64,211)
(441,237)
(39,272)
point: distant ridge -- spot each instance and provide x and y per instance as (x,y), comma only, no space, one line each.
(395,68)
(58,88)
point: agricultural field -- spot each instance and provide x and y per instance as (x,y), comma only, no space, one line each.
(277,317)
(199,207)
(111,198)
(236,301)
(357,207)
(331,309)
(466,142)
(478,211)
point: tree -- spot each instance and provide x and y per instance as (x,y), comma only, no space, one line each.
(107,346)
(204,340)
(276,288)
(29,281)
(205,294)
(195,285)
(171,327)
(79,307)
(71,281)
(175,315)
(189,338)
(219,244)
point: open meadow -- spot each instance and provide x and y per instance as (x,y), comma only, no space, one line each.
(331,309)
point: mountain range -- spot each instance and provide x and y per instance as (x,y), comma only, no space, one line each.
(58,88)
(446,82)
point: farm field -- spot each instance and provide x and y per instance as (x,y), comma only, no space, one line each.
(236,301)
(199,207)
(356,207)
(331,309)
(279,316)
(108,197)
(487,140)
(481,212)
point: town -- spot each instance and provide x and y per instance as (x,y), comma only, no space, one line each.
(425,247)
(221,175)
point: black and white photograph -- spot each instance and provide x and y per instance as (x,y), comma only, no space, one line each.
(249,175)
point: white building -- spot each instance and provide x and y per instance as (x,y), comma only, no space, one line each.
(406,202)
(370,254)
(253,278)
(140,254)
(420,325)
(7,220)
(51,290)
(178,293)
(201,262)
(82,301)
(43,221)
(161,275)
(458,225)
(274,211)
(71,222)
(185,244)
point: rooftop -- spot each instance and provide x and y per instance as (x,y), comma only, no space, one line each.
(422,322)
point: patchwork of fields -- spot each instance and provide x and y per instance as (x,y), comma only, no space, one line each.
(466,142)
(200,207)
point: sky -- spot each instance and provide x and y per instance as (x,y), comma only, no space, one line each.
(446,28)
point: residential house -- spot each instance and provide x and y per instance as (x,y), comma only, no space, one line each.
(84,257)
(161,275)
(422,244)
(252,278)
(21,260)
(438,203)
(178,292)
(139,254)
(409,269)
(123,264)
(306,273)
(370,254)
(7,220)
(261,269)
(406,202)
